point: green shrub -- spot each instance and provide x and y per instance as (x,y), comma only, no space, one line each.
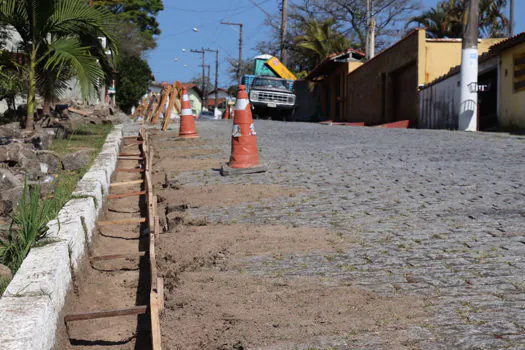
(28,226)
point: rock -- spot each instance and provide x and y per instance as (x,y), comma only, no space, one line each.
(77,160)
(11,153)
(5,272)
(10,191)
(10,131)
(40,140)
(101,112)
(50,161)
(8,180)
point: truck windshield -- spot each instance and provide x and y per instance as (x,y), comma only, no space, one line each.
(270,83)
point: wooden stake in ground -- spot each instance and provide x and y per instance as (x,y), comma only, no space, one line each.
(166,91)
(174,95)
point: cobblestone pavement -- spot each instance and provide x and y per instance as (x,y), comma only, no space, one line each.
(437,214)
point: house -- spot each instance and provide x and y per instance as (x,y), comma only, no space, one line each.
(501,99)
(222,97)
(385,89)
(195,95)
(330,74)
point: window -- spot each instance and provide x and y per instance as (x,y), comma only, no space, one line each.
(519,72)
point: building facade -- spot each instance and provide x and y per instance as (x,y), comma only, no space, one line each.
(385,89)
(501,99)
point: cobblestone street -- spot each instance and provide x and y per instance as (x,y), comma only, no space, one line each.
(435,214)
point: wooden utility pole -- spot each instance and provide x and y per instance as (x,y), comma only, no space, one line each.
(216,75)
(239,64)
(202,85)
(284,30)
(511,18)
(206,93)
(468,108)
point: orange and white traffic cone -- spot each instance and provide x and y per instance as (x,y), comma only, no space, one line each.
(226,114)
(187,122)
(244,157)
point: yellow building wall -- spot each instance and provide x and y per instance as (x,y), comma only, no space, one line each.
(512,102)
(438,57)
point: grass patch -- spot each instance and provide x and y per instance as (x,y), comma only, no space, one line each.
(90,137)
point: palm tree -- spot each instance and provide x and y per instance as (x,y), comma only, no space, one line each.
(54,33)
(446,19)
(320,39)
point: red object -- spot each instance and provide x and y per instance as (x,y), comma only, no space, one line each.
(403,124)
(244,142)
(329,122)
(187,122)
(226,114)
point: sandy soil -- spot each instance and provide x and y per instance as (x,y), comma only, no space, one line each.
(219,195)
(215,301)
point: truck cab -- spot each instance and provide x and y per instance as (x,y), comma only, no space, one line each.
(272,98)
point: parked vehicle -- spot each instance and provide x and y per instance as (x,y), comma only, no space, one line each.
(271,96)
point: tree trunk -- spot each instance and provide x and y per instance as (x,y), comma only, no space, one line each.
(31,95)
(46,107)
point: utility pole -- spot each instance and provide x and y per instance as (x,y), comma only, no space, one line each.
(216,75)
(284,30)
(468,108)
(202,85)
(511,18)
(239,64)
(370,48)
(206,93)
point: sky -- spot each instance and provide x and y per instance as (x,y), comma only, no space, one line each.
(188,25)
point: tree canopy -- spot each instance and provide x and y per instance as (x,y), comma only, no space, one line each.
(59,38)
(446,19)
(137,19)
(135,79)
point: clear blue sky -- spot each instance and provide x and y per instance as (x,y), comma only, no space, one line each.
(180,17)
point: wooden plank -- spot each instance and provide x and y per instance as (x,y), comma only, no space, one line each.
(117,256)
(125,195)
(137,310)
(130,154)
(133,170)
(122,221)
(156,337)
(77,111)
(160,292)
(132,137)
(126,183)
(130,158)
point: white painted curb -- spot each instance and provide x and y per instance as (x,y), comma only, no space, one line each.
(31,305)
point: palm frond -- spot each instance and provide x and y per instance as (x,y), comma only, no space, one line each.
(68,52)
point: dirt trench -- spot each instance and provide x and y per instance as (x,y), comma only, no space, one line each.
(216,299)
(114,283)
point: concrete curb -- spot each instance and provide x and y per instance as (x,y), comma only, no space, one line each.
(31,304)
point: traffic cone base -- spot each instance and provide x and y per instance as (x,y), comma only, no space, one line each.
(187,121)
(244,157)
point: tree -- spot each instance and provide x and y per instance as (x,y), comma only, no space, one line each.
(320,39)
(350,17)
(446,19)
(137,21)
(53,36)
(246,67)
(208,85)
(135,78)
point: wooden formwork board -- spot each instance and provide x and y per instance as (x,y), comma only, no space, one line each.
(156,298)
